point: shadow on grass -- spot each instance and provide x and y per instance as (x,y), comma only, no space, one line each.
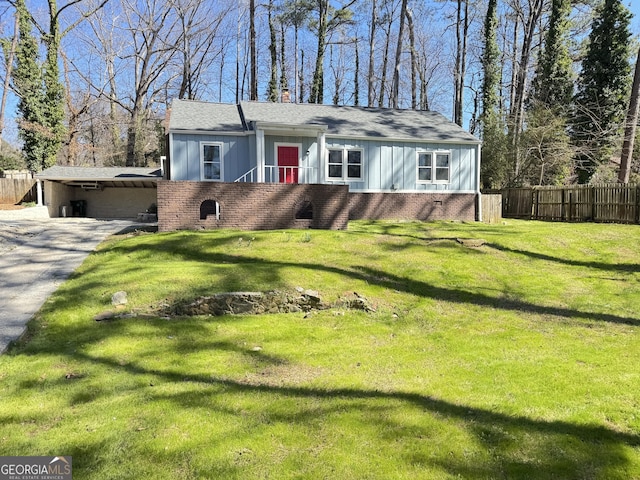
(517,446)
(385,279)
(510,446)
(613,267)
(520,447)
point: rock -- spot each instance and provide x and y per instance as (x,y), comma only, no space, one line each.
(105,316)
(119,298)
(471,242)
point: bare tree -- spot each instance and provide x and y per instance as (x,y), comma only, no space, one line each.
(200,44)
(414,61)
(462,35)
(154,32)
(328,20)
(372,47)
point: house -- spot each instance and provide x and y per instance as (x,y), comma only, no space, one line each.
(283,165)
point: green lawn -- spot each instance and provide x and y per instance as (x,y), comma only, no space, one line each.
(517,359)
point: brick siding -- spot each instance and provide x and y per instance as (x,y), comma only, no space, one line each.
(250,206)
(266,206)
(412,206)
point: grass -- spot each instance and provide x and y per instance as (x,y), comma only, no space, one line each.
(515,359)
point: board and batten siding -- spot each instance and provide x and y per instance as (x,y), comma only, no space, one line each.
(185,158)
(395,163)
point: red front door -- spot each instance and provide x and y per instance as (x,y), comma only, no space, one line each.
(288,164)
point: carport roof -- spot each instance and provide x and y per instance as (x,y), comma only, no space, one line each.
(106,176)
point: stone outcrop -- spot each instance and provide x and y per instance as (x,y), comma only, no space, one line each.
(254,303)
(250,303)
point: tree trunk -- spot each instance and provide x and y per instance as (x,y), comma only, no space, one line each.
(414,64)
(517,108)
(462,34)
(385,63)
(395,89)
(253,94)
(284,81)
(272,93)
(356,78)
(372,46)
(317,86)
(630,127)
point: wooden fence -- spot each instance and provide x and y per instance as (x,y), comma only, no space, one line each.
(492,208)
(17,190)
(577,203)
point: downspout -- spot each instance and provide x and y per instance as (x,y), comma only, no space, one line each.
(479,195)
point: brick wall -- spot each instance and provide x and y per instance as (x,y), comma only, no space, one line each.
(250,206)
(412,206)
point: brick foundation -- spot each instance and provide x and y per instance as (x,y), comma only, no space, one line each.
(412,206)
(251,206)
(271,206)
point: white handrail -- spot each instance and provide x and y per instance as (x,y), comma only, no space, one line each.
(247,177)
(272,174)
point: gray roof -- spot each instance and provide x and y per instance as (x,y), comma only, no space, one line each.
(341,121)
(96,174)
(361,122)
(194,115)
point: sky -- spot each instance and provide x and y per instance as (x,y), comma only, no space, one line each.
(10,131)
(634,6)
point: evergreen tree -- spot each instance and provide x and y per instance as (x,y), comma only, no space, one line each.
(546,144)
(494,171)
(28,81)
(54,111)
(553,83)
(602,88)
(40,93)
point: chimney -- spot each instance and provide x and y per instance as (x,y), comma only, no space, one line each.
(286,96)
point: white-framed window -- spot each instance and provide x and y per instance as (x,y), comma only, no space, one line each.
(345,164)
(434,167)
(211,161)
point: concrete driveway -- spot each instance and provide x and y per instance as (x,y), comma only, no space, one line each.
(36,256)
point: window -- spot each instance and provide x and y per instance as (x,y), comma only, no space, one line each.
(211,158)
(345,164)
(433,167)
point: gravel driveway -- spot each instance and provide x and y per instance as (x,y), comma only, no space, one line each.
(36,255)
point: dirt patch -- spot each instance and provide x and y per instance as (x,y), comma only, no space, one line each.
(281,375)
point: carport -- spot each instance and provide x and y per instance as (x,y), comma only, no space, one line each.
(105,192)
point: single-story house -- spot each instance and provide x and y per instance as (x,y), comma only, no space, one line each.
(107,192)
(283,165)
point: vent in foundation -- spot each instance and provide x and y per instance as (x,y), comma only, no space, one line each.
(209,209)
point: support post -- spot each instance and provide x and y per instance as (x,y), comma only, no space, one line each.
(39,192)
(260,161)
